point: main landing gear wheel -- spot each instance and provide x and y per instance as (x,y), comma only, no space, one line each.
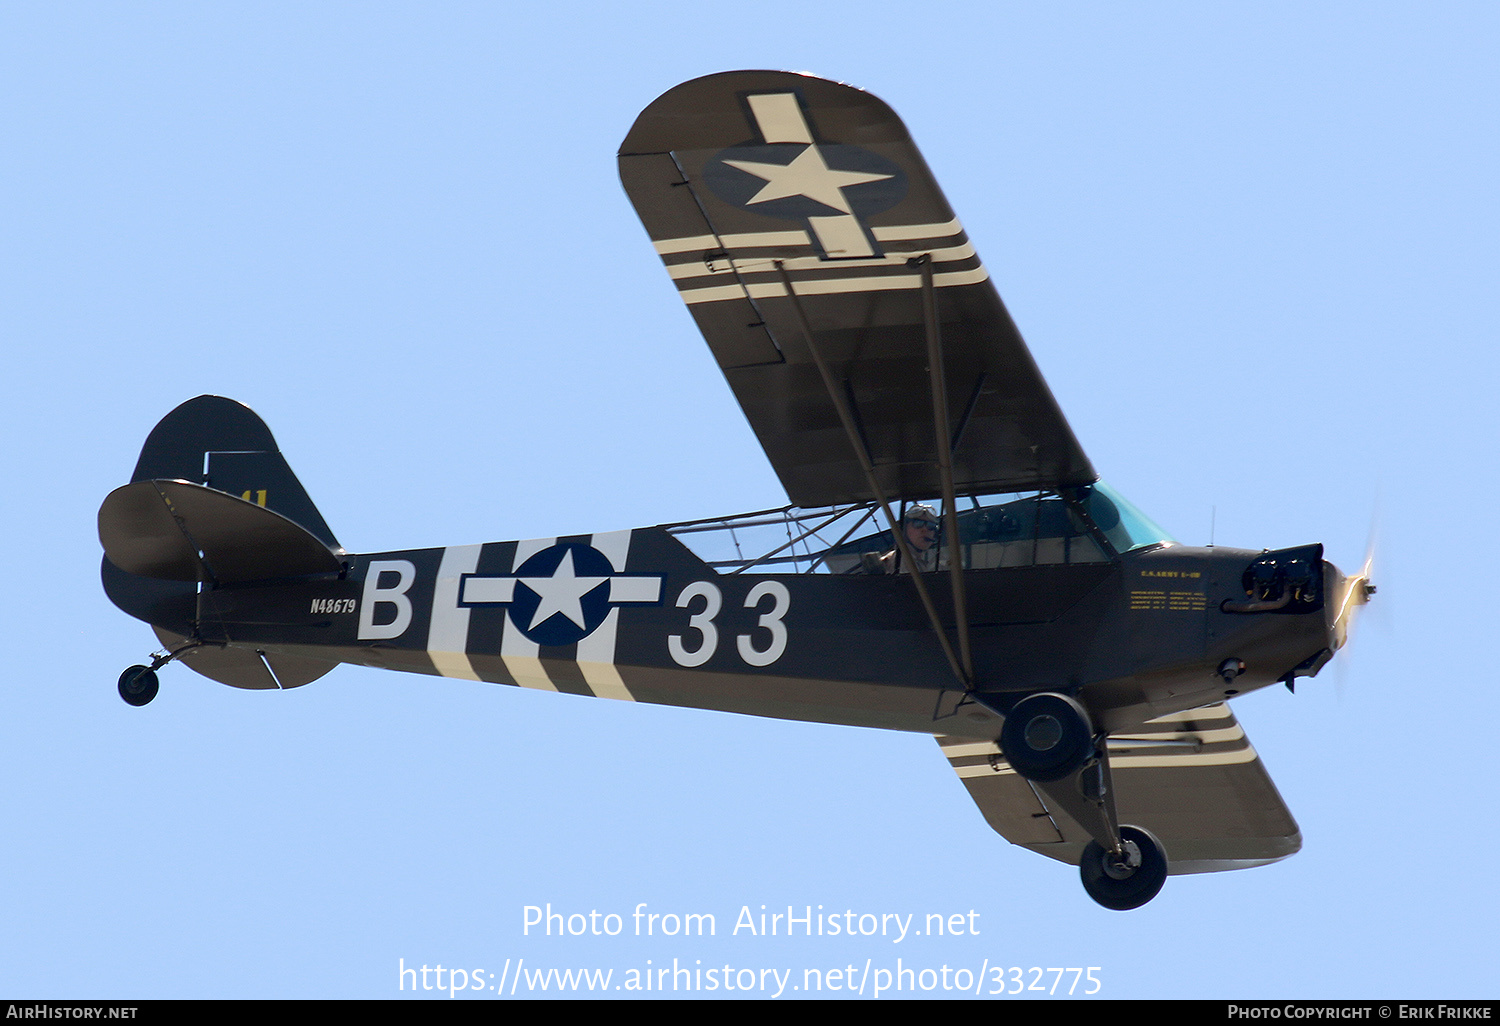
(1047,737)
(1130,879)
(138,685)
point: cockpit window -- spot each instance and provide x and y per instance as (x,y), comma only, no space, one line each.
(1025,532)
(994,531)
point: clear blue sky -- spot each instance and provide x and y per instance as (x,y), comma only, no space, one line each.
(1253,250)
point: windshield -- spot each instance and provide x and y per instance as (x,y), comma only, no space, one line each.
(1125,526)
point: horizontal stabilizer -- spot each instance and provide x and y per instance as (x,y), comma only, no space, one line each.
(177,531)
(243,668)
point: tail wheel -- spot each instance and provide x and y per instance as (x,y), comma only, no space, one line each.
(1047,737)
(138,685)
(1128,879)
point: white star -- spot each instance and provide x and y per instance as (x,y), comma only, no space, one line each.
(563,593)
(809,175)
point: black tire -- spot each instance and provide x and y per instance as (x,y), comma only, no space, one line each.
(138,685)
(1123,887)
(1047,737)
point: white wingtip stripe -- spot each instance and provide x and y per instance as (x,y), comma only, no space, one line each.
(833,286)
(905,232)
(752,265)
(1239,755)
(982,770)
(967,750)
(744,240)
(1208,712)
(1122,762)
(1205,737)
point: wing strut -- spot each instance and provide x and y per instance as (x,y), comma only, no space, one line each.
(851,430)
(940,434)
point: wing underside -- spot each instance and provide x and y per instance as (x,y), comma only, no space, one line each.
(1191,778)
(752,184)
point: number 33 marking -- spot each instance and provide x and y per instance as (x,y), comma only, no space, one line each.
(708,635)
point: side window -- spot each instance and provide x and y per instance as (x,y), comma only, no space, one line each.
(1037,529)
(1026,533)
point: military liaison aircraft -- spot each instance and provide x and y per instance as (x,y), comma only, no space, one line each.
(950,562)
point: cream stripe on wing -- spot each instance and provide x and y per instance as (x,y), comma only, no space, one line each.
(747,240)
(762,264)
(833,286)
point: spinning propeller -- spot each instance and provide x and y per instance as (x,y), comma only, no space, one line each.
(1354,593)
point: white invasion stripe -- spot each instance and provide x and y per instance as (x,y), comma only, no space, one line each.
(963,251)
(900,232)
(489,589)
(841,236)
(745,240)
(1208,712)
(1246,754)
(615,546)
(596,660)
(749,240)
(1201,736)
(683,245)
(526,549)
(526,671)
(982,770)
(518,652)
(1156,744)
(716,294)
(779,117)
(596,653)
(1117,762)
(977,748)
(834,286)
(448,631)
(752,265)
(452,664)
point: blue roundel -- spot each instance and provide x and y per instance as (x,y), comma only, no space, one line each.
(561,578)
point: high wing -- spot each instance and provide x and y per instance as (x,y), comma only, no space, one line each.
(753,180)
(1191,778)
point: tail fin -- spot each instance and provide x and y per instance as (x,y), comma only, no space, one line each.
(162,531)
(222,444)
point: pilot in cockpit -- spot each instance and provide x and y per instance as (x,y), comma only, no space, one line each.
(921,528)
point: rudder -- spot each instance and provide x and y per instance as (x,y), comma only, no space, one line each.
(224,445)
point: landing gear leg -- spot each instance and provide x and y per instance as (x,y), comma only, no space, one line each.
(138,684)
(1123,867)
(1049,739)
